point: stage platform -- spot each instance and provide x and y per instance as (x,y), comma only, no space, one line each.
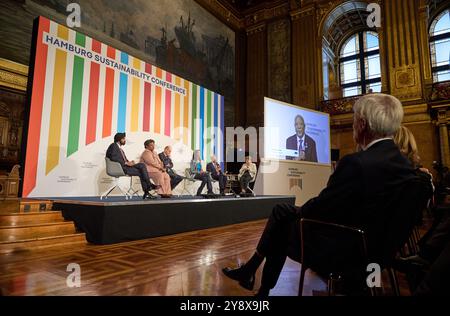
(118,220)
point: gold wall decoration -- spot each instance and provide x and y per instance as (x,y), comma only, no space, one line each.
(13,75)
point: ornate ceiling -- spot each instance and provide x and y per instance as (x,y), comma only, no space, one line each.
(243,7)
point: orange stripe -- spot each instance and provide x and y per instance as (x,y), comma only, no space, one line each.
(54,137)
(37,101)
(186,114)
(177,114)
(135,98)
(158,99)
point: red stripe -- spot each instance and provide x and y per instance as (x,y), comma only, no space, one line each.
(109,96)
(93,96)
(37,101)
(147,99)
(168,106)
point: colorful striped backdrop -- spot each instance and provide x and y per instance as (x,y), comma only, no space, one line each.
(77,101)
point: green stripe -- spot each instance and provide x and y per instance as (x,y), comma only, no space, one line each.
(75,106)
(208,125)
(194,115)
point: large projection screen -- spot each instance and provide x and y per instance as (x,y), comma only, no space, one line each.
(295,134)
(83,92)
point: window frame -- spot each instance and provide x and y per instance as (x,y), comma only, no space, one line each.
(361,56)
(435,38)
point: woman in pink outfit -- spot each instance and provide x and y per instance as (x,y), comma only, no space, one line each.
(155,169)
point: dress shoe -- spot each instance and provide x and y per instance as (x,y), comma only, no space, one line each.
(239,274)
(145,195)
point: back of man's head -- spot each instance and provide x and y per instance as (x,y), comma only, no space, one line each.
(382,113)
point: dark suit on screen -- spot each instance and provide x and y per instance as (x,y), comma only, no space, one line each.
(309,148)
(115,153)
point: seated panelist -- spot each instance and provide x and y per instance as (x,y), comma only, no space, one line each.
(216,173)
(155,168)
(175,179)
(247,174)
(200,174)
(116,154)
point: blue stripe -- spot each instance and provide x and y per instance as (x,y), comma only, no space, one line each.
(216,126)
(123,87)
(202,118)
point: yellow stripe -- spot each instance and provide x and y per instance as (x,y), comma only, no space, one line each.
(186,114)
(177,114)
(54,137)
(135,98)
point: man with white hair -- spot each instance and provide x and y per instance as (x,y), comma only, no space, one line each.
(358,190)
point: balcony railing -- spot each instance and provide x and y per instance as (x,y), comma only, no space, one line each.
(440,91)
(339,106)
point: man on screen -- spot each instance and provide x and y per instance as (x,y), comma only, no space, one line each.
(305,145)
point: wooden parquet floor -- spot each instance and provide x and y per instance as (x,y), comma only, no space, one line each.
(187,264)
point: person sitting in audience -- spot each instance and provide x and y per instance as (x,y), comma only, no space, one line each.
(247,174)
(155,169)
(175,179)
(356,193)
(216,173)
(200,174)
(115,153)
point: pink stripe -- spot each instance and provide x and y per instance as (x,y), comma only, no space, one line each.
(147,99)
(168,106)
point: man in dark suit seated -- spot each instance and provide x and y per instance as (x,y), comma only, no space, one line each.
(175,179)
(115,153)
(357,195)
(304,144)
(216,173)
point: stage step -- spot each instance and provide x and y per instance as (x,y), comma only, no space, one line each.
(44,242)
(25,206)
(29,206)
(36,231)
(21,219)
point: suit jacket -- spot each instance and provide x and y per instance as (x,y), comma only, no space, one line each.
(212,170)
(114,154)
(310,148)
(361,194)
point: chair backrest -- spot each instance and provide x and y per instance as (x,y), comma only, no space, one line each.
(332,248)
(114,169)
(188,174)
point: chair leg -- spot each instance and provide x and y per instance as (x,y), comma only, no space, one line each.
(105,195)
(131,192)
(394,281)
(302,280)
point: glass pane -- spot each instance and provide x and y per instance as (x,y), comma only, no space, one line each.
(351,47)
(372,66)
(442,24)
(442,51)
(350,71)
(349,92)
(375,87)
(442,76)
(371,41)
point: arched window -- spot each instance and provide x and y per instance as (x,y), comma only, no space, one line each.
(440,47)
(359,61)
